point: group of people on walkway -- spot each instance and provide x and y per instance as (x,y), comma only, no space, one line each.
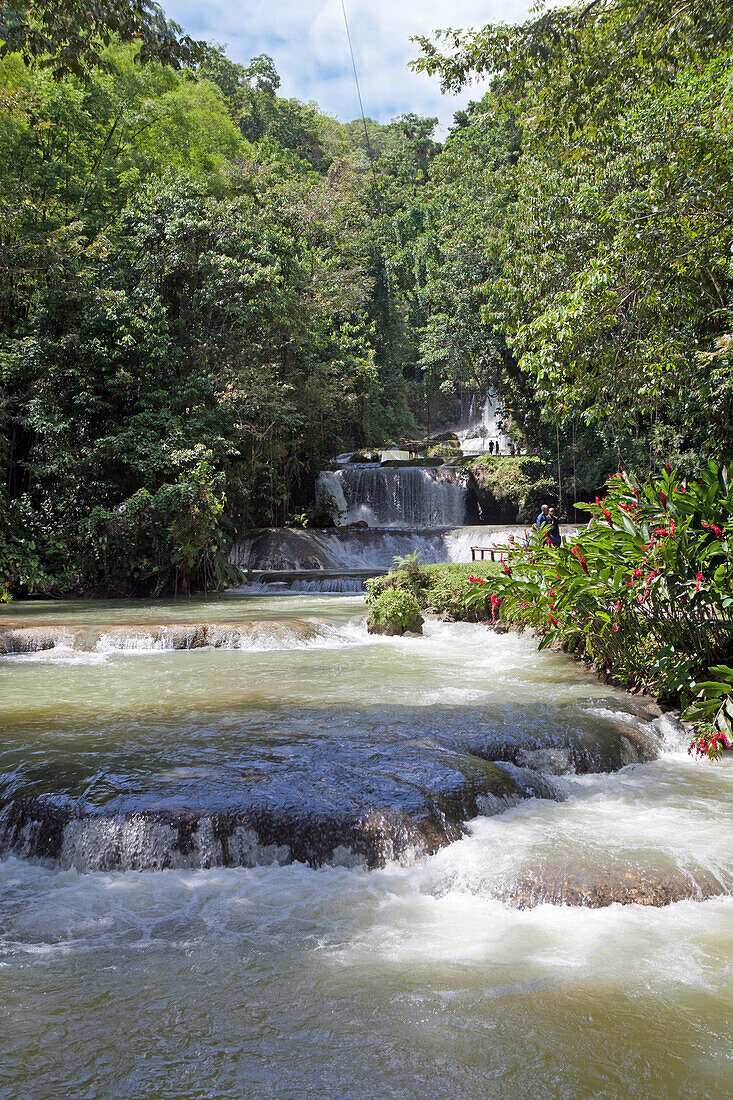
(549,523)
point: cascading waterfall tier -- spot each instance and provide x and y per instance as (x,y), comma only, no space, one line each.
(487,428)
(402,496)
(361,549)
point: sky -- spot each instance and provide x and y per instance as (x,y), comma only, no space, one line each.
(307,40)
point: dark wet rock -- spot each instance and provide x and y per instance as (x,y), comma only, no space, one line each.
(600,745)
(598,889)
(357,805)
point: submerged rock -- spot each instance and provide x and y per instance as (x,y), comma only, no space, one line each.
(596,889)
(603,745)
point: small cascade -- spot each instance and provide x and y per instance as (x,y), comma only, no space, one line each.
(61,643)
(486,433)
(402,496)
(355,549)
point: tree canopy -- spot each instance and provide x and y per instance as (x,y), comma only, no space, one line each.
(207,288)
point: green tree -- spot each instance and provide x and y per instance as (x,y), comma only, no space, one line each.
(72,36)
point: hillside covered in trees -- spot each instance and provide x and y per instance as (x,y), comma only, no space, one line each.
(206,289)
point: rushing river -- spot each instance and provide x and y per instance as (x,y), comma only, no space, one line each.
(260,977)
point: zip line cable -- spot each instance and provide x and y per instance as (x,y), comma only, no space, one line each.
(361,106)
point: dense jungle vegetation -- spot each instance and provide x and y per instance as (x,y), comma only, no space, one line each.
(206,289)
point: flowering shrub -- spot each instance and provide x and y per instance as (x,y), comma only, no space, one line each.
(645,591)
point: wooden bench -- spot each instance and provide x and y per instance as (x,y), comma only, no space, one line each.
(490,550)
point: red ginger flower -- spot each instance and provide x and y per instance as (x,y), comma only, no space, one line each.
(663,499)
(698,581)
(606,514)
(495,605)
(717,531)
(553,620)
(477,580)
(581,560)
(507,568)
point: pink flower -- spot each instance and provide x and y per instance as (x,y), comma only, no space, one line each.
(698,580)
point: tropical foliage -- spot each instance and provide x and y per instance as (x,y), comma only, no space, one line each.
(395,612)
(645,591)
(196,306)
(207,289)
(446,591)
(590,192)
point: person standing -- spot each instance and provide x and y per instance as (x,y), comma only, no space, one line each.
(554,529)
(543,519)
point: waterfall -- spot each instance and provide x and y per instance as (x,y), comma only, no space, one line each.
(348,548)
(477,434)
(403,496)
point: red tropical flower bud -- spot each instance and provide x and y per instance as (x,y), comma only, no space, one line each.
(581,560)
(698,580)
(663,499)
(553,620)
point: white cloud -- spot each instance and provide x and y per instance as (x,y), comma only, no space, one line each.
(307,40)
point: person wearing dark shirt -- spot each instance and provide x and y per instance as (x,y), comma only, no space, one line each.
(554,531)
